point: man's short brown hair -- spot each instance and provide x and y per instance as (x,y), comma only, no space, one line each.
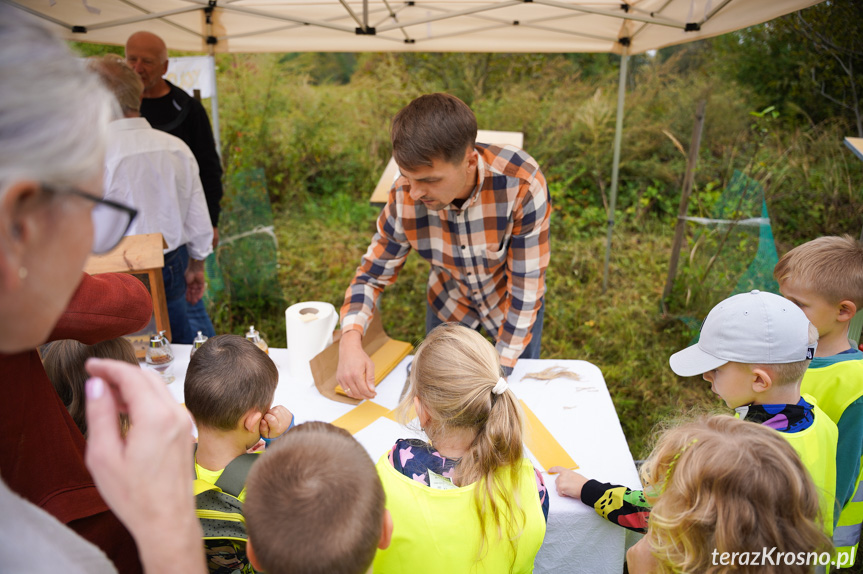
(832,266)
(433,126)
(314,503)
(228,376)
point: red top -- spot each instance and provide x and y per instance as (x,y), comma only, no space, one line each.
(41,449)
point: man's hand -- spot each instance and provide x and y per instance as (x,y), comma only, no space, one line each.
(195,283)
(356,373)
(215,238)
(569,483)
(275,422)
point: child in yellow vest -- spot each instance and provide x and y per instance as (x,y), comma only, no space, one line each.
(229,389)
(467,501)
(315,504)
(729,496)
(753,349)
(824,277)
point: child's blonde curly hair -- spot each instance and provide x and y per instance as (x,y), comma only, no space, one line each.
(725,485)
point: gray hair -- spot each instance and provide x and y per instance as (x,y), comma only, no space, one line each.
(121,79)
(54,114)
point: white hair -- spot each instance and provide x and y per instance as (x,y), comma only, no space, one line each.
(54,114)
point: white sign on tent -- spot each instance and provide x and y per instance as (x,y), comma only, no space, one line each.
(192,73)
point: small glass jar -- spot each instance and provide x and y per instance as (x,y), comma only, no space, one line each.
(199,340)
(256,338)
(160,357)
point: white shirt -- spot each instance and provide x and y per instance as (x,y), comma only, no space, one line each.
(157,174)
(33,541)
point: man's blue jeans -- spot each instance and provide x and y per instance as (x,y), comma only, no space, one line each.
(174,275)
(530,352)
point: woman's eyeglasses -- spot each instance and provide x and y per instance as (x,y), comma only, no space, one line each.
(111,220)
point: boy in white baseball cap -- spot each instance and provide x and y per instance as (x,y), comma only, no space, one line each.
(754,348)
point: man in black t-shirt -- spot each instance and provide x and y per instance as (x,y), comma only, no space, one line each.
(170,109)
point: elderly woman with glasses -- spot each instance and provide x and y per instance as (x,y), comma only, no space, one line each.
(53,120)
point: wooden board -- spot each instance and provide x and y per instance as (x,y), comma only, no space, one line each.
(141,256)
(133,253)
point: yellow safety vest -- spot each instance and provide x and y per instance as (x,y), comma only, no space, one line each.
(836,387)
(438,530)
(816,447)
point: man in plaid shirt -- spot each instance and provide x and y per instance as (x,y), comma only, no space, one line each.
(479,214)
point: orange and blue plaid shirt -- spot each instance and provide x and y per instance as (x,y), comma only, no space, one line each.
(488,258)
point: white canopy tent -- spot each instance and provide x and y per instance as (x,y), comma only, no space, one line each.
(619,26)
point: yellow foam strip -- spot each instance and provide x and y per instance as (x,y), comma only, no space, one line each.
(361,416)
(393,416)
(385,359)
(542,444)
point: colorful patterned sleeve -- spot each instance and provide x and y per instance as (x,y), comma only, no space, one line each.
(543,493)
(620,505)
(379,267)
(527,260)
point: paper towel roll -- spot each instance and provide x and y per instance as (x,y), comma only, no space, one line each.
(309,327)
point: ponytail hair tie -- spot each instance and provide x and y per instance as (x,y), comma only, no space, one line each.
(500,387)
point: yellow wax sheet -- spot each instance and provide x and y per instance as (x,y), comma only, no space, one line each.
(542,444)
(361,416)
(393,416)
(385,359)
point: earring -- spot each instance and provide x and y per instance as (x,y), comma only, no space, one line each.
(22,273)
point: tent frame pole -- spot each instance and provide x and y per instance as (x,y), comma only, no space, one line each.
(615,167)
(214,99)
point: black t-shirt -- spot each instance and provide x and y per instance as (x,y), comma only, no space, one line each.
(183,116)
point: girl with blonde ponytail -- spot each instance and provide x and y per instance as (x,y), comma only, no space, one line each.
(468,500)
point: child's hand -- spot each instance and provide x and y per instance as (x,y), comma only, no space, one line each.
(275,422)
(568,482)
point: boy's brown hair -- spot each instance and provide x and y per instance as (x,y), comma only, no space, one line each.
(832,266)
(790,373)
(314,503)
(228,376)
(433,126)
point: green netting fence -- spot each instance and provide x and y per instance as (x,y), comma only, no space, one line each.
(244,268)
(732,251)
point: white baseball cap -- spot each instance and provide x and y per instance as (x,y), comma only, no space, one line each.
(754,327)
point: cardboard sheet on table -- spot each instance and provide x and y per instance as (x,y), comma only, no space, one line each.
(385,359)
(542,444)
(385,352)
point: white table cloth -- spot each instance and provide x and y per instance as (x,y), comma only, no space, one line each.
(579,414)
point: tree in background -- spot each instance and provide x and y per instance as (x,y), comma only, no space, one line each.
(835,30)
(807,63)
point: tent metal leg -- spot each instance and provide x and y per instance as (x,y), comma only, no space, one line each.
(618,132)
(214,108)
